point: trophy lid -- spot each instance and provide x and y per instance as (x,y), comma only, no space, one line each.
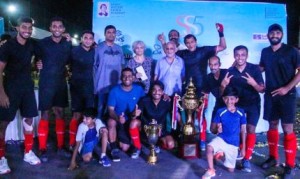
(190,90)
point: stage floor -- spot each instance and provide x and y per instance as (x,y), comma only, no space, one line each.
(169,166)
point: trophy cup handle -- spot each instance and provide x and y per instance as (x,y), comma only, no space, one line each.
(146,128)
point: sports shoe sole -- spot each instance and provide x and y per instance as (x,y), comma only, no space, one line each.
(32,163)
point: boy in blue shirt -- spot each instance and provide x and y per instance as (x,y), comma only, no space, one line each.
(229,124)
(87,139)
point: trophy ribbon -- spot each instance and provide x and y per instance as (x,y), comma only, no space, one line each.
(175,107)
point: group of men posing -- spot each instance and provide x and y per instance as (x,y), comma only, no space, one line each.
(97,72)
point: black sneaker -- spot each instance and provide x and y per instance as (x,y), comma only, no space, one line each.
(271,162)
(43,155)
(115,155)
(289,172)
(64,153)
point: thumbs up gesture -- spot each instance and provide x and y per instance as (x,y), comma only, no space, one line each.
(137,111)
(122,118)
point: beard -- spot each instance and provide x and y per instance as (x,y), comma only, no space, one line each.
(275,41)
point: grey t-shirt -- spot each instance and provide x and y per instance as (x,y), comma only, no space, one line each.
(107,67)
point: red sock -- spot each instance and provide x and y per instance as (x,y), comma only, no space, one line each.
(290,149)
(60,132)
(273,139)
(135,137)
(43,130)
(203,131)
(2,147)
(72,131)
(250,143)
(28,142)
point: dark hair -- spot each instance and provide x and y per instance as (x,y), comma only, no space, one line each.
(240,47)
(157,83)
(90,112)
(57,18)
(173,30)
(24,20)
(87,32)
(188,36)
(5,37)
(219,60)
(103,5)
(230,91)
(126,69)
(109,27)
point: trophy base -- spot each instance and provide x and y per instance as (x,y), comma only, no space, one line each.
(152,160)
(189,150)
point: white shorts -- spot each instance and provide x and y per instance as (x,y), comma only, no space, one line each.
(230,151)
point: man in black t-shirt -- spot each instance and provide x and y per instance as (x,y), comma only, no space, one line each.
(16,89)
(81,86)
(54,53)
(280,62)
(195,58)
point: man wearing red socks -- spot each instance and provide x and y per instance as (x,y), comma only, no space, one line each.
(81,86)
(247,78)
(122,102)
(16,89)
(54,53)
(280,61)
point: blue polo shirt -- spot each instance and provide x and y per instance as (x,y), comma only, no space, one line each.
(18,63)
(247,94)
(280,66)
(125,101)
(82,63)
(196,63)
(231,124)
(55,57)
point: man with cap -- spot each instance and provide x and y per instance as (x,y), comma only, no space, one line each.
(280,62)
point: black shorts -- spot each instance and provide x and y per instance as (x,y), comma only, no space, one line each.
(22,99)
(123,132)
(252,113)
(81,98)
(280,107)
(53,96)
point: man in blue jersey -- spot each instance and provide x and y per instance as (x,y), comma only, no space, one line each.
(122,101)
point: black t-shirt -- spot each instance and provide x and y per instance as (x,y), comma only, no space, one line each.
(151,111)
(82,62)
(247,93)
(196,63)
(54,57)
(18,62)
(213,85)
(280,66)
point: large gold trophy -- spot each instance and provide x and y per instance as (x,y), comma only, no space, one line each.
(152,132)
(190,103)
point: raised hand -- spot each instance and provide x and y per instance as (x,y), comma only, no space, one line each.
(161,38)
(249,79)
(226,80)
(39,65)
(122,118)
(220,27)
(219,126)
(137,111)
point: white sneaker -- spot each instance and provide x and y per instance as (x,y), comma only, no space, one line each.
(4,168)
(31,158)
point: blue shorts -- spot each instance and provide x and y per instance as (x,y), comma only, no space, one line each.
(280,107)
(88,147)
